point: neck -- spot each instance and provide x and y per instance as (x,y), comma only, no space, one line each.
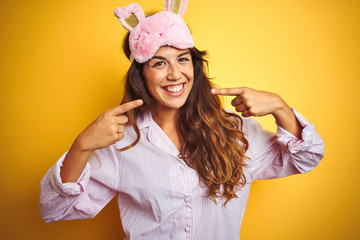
(166,119)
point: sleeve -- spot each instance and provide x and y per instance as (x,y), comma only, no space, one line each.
(282,154)
(84,198)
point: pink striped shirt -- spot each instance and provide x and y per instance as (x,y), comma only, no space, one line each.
(159,196)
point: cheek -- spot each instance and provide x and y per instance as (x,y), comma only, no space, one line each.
(152,84)
(150,78)
(190,74)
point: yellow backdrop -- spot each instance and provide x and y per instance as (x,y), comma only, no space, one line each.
(61,66)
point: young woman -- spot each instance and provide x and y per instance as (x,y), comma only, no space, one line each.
(179,163)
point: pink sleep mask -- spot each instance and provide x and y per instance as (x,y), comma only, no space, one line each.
(147,35)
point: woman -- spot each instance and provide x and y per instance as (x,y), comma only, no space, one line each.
(180,164)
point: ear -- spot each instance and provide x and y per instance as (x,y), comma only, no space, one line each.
(176,6)
(130,15)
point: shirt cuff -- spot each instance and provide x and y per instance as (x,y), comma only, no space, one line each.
(292,143)
(70,188)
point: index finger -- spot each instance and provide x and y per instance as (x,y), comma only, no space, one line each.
(227,91)
(123,108)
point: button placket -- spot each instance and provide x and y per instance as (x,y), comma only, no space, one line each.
(187,200)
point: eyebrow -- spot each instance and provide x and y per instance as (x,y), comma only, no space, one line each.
(163,58)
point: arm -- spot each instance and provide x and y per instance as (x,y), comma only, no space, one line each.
(296,148)
(107,129)
(83,198)
(286,119)
(282,154)
(72,189)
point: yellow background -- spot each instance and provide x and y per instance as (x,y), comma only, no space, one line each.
(61,66)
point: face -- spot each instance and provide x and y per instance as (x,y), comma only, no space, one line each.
(169,77)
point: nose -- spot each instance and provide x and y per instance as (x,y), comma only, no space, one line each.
(174,72)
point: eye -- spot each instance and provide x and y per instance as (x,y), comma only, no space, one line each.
(159,64)
(184,59)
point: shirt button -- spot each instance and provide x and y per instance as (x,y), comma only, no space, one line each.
(187,229)
(187,199)
(181,167)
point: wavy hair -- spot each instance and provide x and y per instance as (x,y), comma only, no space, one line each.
(214,143)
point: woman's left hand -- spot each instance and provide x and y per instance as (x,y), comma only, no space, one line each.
(251,102)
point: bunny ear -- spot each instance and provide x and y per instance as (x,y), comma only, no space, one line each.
(176,6)
(130,15)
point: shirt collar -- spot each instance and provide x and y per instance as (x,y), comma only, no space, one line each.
(156,135)
(144,120)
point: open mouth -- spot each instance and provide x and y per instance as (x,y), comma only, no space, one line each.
(174,89)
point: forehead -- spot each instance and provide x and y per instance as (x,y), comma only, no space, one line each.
(170,51)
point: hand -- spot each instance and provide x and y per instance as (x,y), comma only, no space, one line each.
(107,129)
(251,102)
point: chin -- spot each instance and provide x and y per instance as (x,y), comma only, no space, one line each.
(176,105)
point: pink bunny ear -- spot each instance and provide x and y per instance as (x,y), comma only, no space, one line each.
(130,15)
(176,6)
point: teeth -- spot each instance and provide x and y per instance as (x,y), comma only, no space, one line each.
(174,89)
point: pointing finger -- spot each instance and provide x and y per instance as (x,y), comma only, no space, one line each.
(227,91)
(123,108)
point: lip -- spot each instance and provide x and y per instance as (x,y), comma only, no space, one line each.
(173,94)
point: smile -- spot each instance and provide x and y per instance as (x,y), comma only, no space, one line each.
(174,89)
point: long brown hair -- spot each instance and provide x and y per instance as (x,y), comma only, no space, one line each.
(214,144)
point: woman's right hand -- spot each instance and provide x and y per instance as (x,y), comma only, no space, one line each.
(107,129)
